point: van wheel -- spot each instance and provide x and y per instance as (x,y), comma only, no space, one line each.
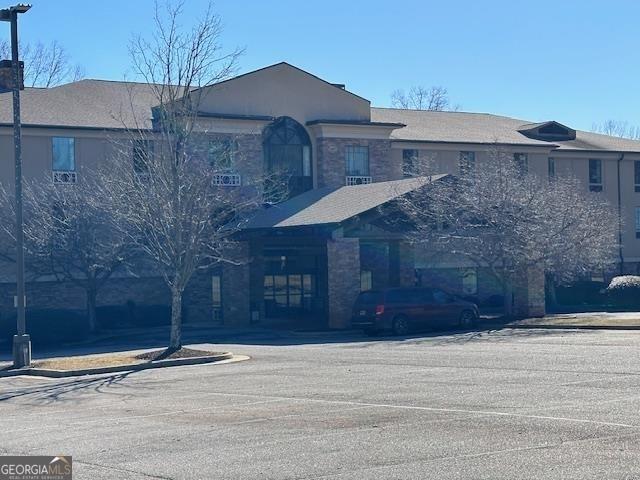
(467,319)
(400,326)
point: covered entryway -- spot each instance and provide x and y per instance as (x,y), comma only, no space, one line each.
(308,258)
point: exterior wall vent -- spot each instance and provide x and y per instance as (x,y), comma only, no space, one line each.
(65,177)
(358,180)
(227,180)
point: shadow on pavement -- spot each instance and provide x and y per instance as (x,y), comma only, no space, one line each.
(118,341)
(67,389)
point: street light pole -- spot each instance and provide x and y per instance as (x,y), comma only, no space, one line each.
(21,341)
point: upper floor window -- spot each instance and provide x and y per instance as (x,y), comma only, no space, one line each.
(595,174)
(522,162)
(551,168)
(357,161)
(409,162)
(366,280)
(64,154)
(636,175)
(222,154)
(467,163)
(142,152)
(287,154)
(637,222)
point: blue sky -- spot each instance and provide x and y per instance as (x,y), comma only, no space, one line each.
(575,61)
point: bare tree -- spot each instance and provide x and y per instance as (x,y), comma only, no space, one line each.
(80,244)
(174,212)
(508,221)
(422,98)
(617,128)
(44,65)
(70,236)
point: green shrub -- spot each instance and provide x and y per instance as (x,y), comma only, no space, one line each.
(584,292)
(624,291)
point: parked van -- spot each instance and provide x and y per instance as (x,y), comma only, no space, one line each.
(401,310)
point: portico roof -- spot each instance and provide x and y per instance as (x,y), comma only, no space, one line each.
(331,206)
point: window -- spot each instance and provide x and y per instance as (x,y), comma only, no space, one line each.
(287,154)
(551,168)
(64,154)
(407,296)
(636,175)
(142,152)
(469,281)
(357,160)
(595,174)
(216,298)
(441,297)
(522,162)
(222,154)
(637,222)
(467,163)
(365,280)
(289,292)
(409,162)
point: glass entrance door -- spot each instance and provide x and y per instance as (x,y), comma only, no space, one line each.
(289,294)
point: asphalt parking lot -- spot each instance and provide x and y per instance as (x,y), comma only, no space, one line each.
(500,404)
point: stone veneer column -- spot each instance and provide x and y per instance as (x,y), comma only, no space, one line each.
(529,294)
(401,265)
(343,279)
(236,282)
(407,268)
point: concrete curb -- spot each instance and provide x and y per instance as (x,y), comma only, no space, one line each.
(575,327)
(226,357)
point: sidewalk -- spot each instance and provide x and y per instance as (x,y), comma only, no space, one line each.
(588,320)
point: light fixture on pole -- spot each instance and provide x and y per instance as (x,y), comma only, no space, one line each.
(21,341)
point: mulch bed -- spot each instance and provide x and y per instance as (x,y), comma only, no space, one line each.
(168,354)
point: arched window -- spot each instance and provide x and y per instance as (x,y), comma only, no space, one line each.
(287,152)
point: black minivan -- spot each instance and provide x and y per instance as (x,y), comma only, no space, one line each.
(401,310)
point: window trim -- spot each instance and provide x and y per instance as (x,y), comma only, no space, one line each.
(148,150)
(232,149)
(410,157)
(551,168)
(466,162)
(53,159)
(521,159)
(595,186)
(352,149)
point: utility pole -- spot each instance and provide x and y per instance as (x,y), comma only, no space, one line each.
(21,341)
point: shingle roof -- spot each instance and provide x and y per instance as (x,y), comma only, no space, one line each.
(105,104)
(326,206)
(485,128)
(87,103)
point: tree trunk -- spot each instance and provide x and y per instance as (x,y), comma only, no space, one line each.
(91,309)
(175,341)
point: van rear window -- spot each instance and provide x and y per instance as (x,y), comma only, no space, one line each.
(369,298)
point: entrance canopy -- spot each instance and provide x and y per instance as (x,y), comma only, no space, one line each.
(333,206)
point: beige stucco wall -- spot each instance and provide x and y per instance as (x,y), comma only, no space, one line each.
(284,90)
(445,159)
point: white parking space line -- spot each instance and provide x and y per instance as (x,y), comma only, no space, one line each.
(435,409)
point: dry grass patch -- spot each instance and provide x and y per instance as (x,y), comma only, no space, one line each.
(96,361)
(86,361)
